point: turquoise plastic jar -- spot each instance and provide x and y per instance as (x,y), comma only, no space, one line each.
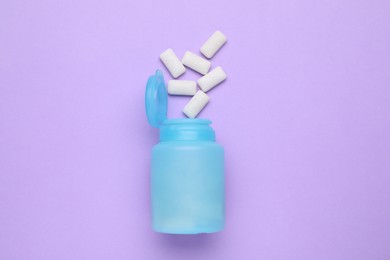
(187,170)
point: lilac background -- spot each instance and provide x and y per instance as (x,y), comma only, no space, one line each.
(304,117)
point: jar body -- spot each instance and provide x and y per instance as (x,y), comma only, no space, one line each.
(187,187)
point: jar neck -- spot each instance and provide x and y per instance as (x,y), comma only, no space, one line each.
(186,129)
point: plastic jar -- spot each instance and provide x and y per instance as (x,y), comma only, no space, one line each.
(187,170)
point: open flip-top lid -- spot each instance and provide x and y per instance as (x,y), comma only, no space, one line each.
(156,99)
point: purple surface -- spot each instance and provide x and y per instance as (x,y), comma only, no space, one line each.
(304,117)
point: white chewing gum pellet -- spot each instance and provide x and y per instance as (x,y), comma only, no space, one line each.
(172,62)
(196,104)
(213,44)
(212,79)
(196,62)
(182,87)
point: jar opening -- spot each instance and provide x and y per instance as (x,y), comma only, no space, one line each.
(186,129)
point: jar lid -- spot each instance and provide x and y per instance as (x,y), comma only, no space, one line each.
(156,99)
